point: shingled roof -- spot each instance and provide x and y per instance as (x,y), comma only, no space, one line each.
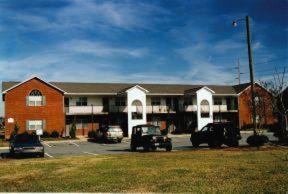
(114,88)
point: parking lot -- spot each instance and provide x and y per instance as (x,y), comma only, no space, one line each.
(84,147)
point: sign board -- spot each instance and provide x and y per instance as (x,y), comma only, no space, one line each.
(10,120)
(39,132)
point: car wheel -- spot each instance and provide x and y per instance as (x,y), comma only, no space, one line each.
(169,147)
(133,148)
(232,142)
(119,140)
(41,155)
(215,143)
(146,148)
(195,144)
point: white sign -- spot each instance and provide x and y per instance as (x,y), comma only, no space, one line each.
(39,132)
(10,120)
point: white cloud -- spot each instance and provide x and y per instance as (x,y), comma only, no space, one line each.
(100,49)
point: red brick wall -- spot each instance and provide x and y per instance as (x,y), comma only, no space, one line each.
(52,112)
(265,110)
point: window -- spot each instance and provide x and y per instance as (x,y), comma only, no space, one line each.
(81,101)
(137,110)
(188,101)
(205,109)
(35,124)
(120,101)
(217,101)
(35,98)
(156,101)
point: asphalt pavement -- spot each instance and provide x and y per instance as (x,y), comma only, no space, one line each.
(85,147)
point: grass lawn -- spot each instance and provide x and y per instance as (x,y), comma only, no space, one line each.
(224,170)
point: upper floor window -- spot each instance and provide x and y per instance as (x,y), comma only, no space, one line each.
(156,101)
(35,98)
(205,109)
(217,101)
(81,101)
(120,101)
(188,101)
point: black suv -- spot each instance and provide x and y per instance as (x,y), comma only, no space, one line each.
(26,144)
(149,137)
(216,134)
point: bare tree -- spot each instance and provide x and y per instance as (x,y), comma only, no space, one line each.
(279,99)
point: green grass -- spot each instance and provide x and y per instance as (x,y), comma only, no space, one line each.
(225,170)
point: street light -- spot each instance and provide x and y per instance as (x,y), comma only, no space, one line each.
(251,68)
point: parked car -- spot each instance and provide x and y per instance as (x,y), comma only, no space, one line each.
(109,133)
(150,138)
(25,144)
(216,134)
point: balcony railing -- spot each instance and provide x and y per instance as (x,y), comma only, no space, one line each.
(85,110)
(159,109)
(92,109)
(190,108)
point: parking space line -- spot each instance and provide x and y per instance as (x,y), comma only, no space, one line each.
(48,155)
(71,142)
(91,153)
(47,145)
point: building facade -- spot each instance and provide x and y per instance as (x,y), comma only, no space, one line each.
(35,104)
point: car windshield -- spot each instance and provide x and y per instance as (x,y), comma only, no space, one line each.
(151,130)
(26,139)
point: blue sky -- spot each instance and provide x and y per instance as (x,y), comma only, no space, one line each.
(150,41)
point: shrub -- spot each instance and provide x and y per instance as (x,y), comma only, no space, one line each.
(257,140)
(92,134)
(72,131)
(45,134)
(16,128)
(54,134)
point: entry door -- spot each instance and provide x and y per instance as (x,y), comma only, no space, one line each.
(105,102)
(176,104)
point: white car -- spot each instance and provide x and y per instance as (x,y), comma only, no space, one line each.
(110,133)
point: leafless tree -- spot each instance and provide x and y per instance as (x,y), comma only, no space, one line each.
(279,95)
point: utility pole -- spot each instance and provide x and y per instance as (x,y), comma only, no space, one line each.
(251,68)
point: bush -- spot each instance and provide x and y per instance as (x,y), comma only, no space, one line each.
(92,134)
(72,131)
(257,140)
(54,134)
(45,134)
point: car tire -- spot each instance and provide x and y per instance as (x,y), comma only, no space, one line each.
(146,148)
(41,155)
(195,144)
(169,147)
(119,140)
(215,144)
(133,148)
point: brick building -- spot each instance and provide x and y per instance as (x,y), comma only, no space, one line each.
(36,104)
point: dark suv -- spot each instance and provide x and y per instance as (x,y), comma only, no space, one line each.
(216,134)
(149,137)
(26,144)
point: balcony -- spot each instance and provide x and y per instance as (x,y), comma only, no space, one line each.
(159,109)
(190,108)
(224,108)
(86,110)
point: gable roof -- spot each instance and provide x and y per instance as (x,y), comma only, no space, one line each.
(16,84)
(114,88)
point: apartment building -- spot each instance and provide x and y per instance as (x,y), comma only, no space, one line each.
(37,104)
